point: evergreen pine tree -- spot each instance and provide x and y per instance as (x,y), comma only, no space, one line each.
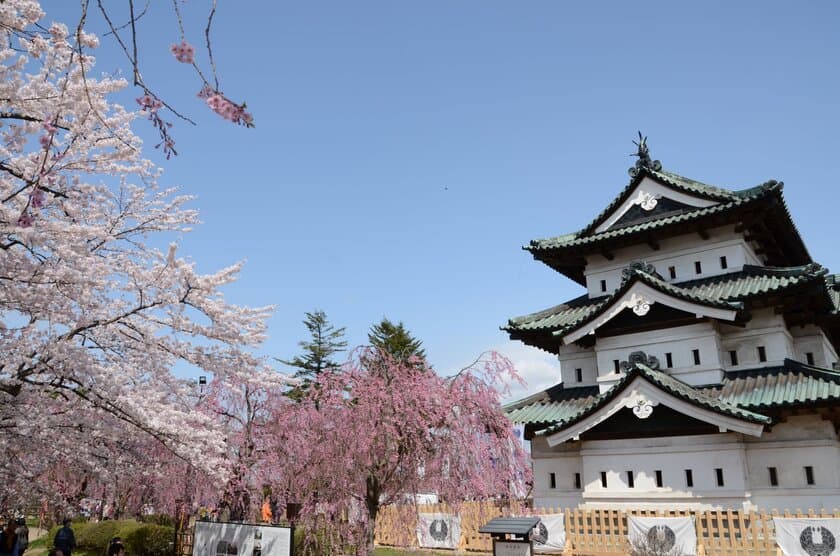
(324,342)
(395,340)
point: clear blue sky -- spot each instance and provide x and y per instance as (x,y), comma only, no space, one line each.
(404,151)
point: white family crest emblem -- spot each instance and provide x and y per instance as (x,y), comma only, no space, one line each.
(817,541)
(661,538)
(645,200)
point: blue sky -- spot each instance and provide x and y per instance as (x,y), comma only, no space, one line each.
(404,151)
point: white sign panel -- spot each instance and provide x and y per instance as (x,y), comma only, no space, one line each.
(550,533)
(508,548)
(436,530)
(663,534)
(808,537)
(241,539)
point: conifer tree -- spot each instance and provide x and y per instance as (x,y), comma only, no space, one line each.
(395,340)
(325,341)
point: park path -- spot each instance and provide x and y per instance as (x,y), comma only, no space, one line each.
(36,533)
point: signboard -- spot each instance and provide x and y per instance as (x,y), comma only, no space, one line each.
(242,539)
(511,548)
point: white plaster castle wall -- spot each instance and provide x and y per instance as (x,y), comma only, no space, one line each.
(802,441)
(764,329)
(714,342)
(680,252)
(672,456)
(572,357)
(678,341)
(789,447)
(564,461)
(810,339)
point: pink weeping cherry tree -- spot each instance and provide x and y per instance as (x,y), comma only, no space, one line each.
(381,430)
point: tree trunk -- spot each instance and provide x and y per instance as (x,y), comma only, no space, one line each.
(372,503)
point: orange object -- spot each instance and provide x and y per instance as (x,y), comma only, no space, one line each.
(266,511)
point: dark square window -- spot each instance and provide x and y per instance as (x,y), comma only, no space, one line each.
(603,285)
(698,268)
(579,375)
(669,360)
(672,272)
(723,263)
(689,478)
(719,476)
(658,473)
(774,477)
(810,358)
(762,354)
(552,480)
(616,365)
(604,479)
(733,357)
(695,353)
(577,481)
(809,475)
(630,482)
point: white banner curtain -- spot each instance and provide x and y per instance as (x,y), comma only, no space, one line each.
(550,533)
(437,530)
(808,536)
(663,534)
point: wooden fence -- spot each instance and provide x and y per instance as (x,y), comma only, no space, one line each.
(600,532)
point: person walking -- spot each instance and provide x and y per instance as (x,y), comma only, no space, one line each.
(116,547)
(8,539)
(22,534)
(65,540)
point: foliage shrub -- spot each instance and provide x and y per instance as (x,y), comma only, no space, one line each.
(96,536)
(149,539)
(141,539)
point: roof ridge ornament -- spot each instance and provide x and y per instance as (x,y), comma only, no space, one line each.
(639,358)
(639,266)
(644,160)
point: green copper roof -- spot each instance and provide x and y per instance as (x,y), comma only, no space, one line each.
(792,383)
(789,385)
(586,236)
(675,181)
(750,282)
(549,406)
(667,384)
(557,317)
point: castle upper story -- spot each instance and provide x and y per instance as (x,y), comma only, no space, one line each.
(704,279)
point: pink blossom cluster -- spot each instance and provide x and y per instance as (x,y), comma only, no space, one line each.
(184,52)
(25,219)
(47,138)
(226,108)
(36,198)
(149,103)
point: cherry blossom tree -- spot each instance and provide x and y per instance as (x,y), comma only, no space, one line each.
(130,28)
(244,408)
(384,429)
(95,309)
